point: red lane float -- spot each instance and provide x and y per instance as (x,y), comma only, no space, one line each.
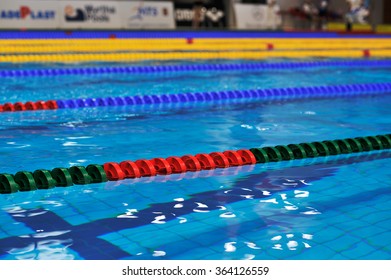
(234,158)
(206,161)
(191,162)
(162,166)
(175,165)
(19,106)
(113,171)
(270,47)
(247,156)
(41,105)
(8,107)
(130,169)
(220,160)
(51,104)
(146,168)
(29,106)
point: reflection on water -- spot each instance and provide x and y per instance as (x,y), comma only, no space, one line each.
(49,249)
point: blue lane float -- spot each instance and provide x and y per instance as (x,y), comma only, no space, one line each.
(193,68)
(315,92)
(85,34)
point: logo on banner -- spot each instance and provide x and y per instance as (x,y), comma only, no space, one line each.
(26,12)
(141,12)
(72,14)
(258,14)
(89,13)
(212,14)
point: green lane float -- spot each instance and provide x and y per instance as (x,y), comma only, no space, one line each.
(25,180)
(8,184)
(97,173)
(80,175)
(62,177)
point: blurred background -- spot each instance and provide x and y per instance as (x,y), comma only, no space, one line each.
(303,15)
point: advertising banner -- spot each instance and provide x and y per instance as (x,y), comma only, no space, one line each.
(89,15)
(29,14)
(250,16)
(147,15)
(200,14)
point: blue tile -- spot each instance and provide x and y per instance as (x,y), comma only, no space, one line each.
(367,232)
(327,234)
(358,251)
(343,242)
(378,255)
(202,253)
(380,240)
(316,252)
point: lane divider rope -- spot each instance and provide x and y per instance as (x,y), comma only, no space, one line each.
(208,36)
(270,43)
(159,45)
(45,35)
(157,56)
(112,171)
(190,67)
(280,94)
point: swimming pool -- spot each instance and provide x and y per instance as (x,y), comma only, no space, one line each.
(334,207)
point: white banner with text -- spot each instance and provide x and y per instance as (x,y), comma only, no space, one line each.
(90,15)
(147,15)
(73,14)
(29,14)
(255,17)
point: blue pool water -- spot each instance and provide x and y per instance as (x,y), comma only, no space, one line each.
(73,86)
(329,208)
